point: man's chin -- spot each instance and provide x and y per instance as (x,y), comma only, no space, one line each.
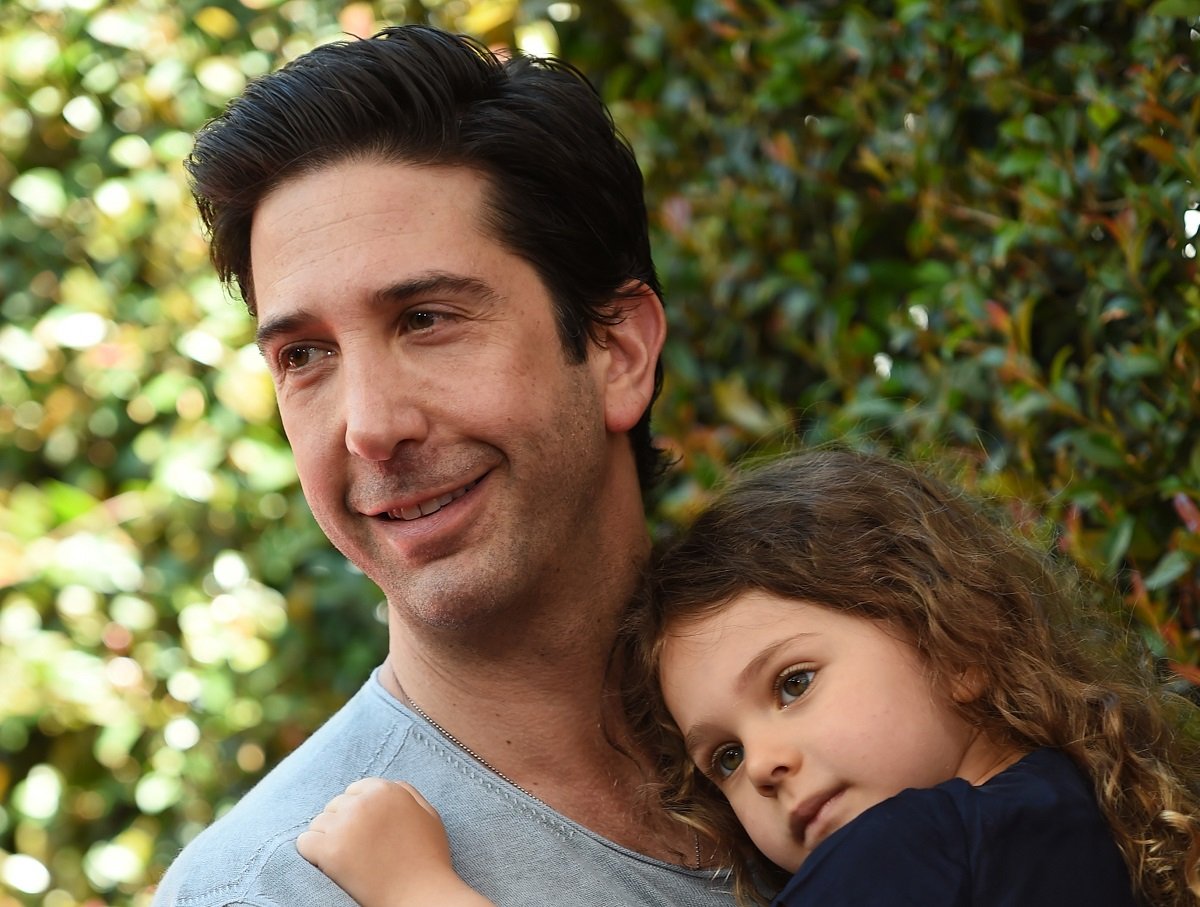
(440,597)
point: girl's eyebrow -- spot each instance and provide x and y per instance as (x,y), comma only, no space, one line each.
(697,736)
(755,665)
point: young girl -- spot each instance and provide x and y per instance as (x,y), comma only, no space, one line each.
(864,690)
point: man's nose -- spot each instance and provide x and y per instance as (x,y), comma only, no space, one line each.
(382,409)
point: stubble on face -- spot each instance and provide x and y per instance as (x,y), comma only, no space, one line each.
(483,390)
(533,542)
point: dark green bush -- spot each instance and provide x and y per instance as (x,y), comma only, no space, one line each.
(969,231)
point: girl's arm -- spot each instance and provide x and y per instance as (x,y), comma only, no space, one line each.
(385,846)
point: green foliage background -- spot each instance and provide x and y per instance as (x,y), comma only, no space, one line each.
(962,229)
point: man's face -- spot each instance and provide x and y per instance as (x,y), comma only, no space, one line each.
(445,444)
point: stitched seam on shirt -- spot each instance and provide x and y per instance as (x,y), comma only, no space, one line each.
(376,757)
(464,765)
(252,868)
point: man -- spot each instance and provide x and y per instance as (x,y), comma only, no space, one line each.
(448,259)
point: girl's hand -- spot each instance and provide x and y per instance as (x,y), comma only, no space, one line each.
(386,846)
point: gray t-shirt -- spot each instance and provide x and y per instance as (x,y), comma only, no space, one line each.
(508,846)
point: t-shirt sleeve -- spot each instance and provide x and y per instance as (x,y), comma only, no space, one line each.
(909,851)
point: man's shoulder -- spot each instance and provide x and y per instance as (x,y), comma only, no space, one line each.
(506,844)
(248,856)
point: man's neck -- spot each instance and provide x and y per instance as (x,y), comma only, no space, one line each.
(529,703)
(518,695)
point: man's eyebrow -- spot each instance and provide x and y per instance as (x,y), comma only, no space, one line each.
(280,325)
(431,283)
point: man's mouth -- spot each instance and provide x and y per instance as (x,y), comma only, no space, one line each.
(425,508)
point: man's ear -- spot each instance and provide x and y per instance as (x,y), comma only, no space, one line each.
(629,351)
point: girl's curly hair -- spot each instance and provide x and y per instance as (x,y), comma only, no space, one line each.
(881,540)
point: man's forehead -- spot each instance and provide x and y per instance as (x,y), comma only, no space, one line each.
(351,213)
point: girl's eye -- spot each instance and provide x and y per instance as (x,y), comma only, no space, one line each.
(793,684)
(726,760)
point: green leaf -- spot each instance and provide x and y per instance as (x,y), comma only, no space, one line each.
(1094,448)
(1172,566)
(67,501)
(1103,114)
(1116,543)
(1176,9)
(1131,366)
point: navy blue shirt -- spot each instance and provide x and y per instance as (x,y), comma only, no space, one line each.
(1033,836)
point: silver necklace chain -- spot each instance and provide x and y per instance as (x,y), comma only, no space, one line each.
(462,746)
(491,768)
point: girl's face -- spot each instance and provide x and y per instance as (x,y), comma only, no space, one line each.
(805,717)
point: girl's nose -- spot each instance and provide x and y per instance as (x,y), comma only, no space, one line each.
(769,764)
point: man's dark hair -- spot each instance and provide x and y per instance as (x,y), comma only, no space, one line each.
(564,191)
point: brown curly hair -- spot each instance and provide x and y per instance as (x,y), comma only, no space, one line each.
(884,541)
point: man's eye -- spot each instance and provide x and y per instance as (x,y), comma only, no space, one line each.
(726,760)
(793,684)
(422,319)
(298,357)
